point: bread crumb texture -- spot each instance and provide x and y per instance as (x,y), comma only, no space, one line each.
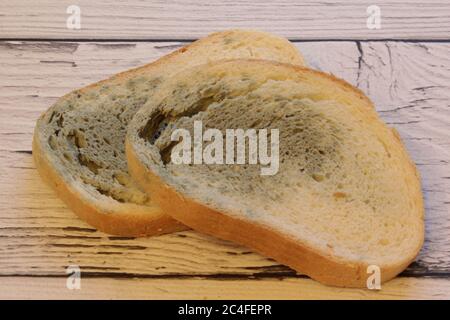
(345,185)
(83,134)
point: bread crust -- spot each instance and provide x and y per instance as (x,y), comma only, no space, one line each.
(264,240)
(126,220)
(123,219)
(319,265)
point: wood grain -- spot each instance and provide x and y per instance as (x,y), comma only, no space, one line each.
(188,19)
(113,288)
(409,82)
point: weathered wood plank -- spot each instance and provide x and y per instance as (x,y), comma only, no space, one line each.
(410,85)
(41,237)
(94,288)
(187,19)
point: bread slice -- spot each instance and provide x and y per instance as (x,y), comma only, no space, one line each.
(78,143)
(346,195)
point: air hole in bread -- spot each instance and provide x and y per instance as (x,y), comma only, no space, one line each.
(109,194)
(122,178)
(88,163)
(166,152)
(77,138)
(52,142)
(60,121)
(67,156)
(51,117)
(147,132)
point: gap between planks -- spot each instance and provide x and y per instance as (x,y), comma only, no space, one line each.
(186,41)
(409,83)
(414,19)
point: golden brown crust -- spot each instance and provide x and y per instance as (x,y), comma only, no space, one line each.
(339,82)
(322,266)
(138,222)
(128,220)
(264,240)
(122,76)
(124,219)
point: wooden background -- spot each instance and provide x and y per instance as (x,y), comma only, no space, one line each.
(404,67)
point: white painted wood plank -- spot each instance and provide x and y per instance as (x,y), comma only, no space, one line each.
(155,289)
(410,85)
(188,19)
(41,237)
